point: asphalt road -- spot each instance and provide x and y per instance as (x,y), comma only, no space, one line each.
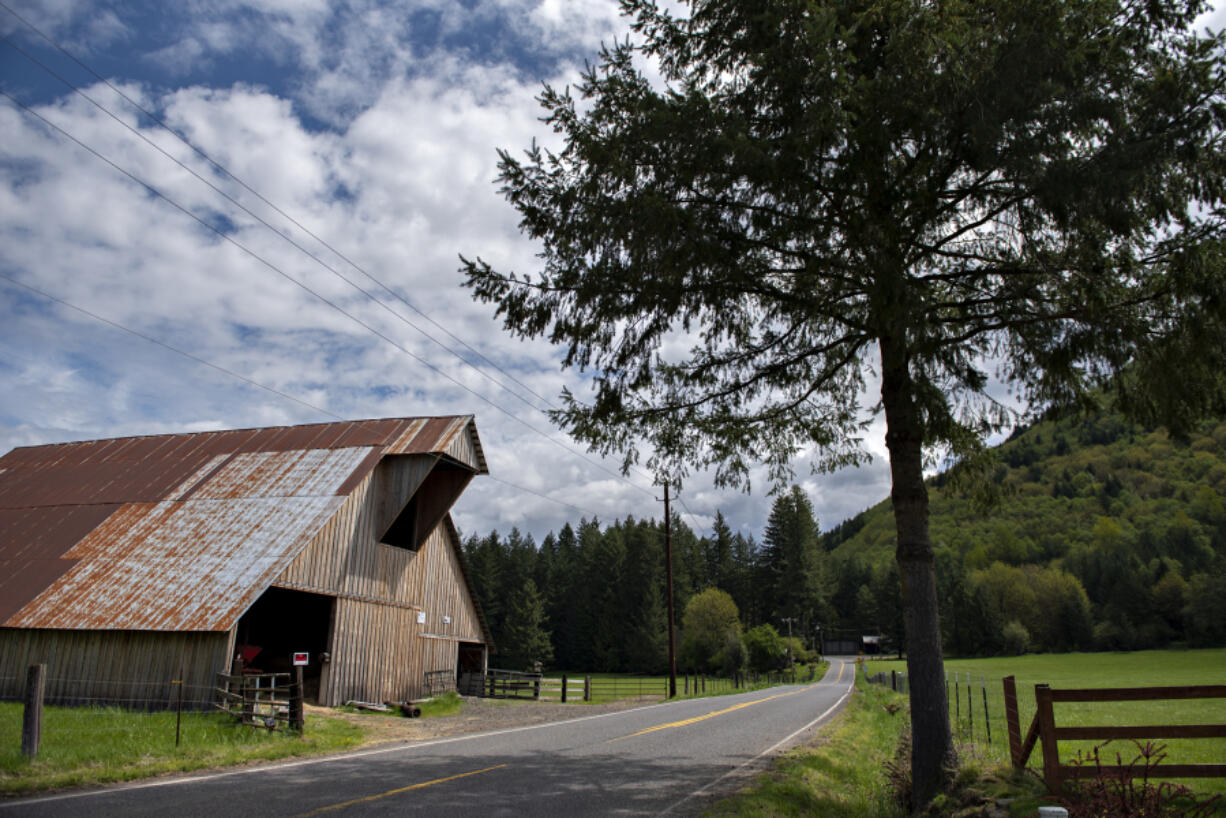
(669,758)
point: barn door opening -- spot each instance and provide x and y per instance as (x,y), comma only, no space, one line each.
(470,668)
(281,623)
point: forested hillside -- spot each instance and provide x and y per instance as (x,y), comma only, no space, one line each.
(1108,536)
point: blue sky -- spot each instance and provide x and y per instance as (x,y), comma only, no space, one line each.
(374,126)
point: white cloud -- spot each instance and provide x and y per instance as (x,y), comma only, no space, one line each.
(401,183)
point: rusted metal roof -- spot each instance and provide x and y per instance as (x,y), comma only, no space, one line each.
(184,532)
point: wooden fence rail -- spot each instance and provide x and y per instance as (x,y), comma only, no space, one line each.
(1043,728)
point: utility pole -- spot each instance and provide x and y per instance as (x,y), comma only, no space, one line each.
(668,576)
(791,655)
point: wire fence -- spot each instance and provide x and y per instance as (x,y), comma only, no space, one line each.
(977,717)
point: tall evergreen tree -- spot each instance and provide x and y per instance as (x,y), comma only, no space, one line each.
(794,558)
(525,637)
(818,191)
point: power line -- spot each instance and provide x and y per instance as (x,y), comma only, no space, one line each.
(288,239)
(546,497)
(134,131)
(273,390)
(165,345)
(217,165)
(304,287)
(693,516)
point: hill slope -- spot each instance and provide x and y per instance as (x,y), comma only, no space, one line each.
(1096,508)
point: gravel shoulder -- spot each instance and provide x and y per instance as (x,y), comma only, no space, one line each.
(476,716)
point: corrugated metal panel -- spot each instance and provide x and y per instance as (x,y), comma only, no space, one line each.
(177,565)
(183,532)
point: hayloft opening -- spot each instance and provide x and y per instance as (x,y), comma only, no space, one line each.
(283,622)
(428,505)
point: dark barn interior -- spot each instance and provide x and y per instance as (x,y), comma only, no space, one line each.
(283,622)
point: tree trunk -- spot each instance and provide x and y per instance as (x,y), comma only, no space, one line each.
(932,754)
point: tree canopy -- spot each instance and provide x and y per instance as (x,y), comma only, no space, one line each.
(916,194)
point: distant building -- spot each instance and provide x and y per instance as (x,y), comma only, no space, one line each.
(126,562)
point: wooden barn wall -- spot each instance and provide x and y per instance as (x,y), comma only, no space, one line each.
(380,651)
(343,557)
(126,668)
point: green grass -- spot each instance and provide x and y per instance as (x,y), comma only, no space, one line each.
(843,777)
(84,746)
(1091,670)
(447,704)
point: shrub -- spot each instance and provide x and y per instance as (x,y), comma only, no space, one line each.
(1015,638)
(1132,794)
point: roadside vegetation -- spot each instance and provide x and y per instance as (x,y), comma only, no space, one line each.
(858,767)
(842,775)
(87,746)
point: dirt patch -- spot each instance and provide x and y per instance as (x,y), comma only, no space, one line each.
(476,716)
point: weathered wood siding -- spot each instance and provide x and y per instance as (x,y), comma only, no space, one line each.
(127,668)
(379,649)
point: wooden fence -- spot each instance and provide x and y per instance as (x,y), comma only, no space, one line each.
(510,684)
(1043,728)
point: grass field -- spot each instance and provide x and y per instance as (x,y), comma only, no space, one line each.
(1088,670)
(100,745)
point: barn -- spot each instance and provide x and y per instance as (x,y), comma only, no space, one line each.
(126,564)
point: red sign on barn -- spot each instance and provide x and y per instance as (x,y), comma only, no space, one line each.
(301,658)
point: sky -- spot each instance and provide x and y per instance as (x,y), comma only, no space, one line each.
(145,290)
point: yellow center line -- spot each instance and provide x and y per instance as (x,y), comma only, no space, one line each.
(696,719)
(397,791)
(842,667)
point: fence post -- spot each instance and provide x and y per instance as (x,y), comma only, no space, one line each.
(894,681)
(957,702)
(179,710)
(1012,723)
(987,721)
(297,715)
(587,688)
(563,688)
(1047,732)
(970,705)
(704,684)
(32,718)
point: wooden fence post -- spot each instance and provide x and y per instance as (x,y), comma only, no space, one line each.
(1013,724)
(893,681)
(179,710)
(297,707)
(1047,732)
(987,722)
(563,688)
(587,688)
(32,718)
